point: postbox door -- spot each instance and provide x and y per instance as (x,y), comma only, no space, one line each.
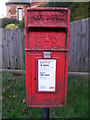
(47,41)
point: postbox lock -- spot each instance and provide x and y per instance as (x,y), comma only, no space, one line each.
(35,78)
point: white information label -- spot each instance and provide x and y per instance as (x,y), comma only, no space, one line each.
(46,74)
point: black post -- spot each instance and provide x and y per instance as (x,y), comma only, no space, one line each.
(45,113)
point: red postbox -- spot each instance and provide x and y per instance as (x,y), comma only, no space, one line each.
(46,56)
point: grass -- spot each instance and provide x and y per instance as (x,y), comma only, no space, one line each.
(14,96)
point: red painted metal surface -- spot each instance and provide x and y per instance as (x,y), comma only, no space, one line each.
(46,30)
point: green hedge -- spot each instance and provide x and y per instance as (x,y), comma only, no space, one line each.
(5,21)
(78,10)
(11,26)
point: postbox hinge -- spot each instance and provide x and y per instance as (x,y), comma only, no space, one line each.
(53,50)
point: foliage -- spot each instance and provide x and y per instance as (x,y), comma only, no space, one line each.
(0,23)
(11,26)
(89,9)
(14,99)
(22,23)
(5,21)
(78,10)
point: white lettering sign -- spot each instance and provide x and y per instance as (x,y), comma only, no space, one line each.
(46,74)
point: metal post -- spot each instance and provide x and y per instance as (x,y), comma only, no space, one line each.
(45,113)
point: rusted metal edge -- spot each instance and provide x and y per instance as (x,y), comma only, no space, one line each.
(54,50)
(48,8)
(44,26)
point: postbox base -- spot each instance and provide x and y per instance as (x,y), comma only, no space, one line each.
(46,106)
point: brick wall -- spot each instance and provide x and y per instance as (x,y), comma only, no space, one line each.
(12,10)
